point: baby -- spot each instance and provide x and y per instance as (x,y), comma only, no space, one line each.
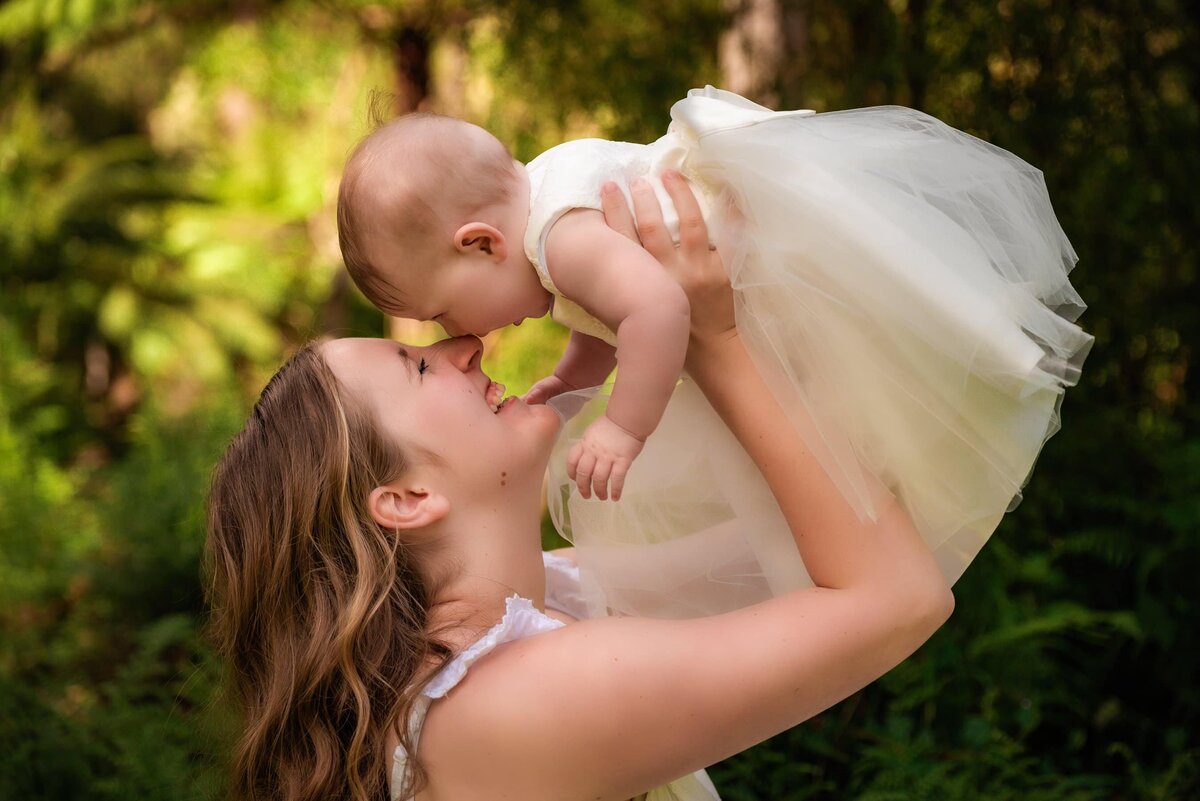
(902,286)
(434,221)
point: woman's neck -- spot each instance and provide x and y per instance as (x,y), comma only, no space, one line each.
(484,570)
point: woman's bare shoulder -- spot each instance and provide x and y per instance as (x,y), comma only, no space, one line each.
(612,707)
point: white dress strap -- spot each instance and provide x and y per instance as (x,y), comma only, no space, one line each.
(521,619)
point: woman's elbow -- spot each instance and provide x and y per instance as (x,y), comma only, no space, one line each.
(932,607)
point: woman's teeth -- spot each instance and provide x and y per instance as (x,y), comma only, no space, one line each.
(495,396)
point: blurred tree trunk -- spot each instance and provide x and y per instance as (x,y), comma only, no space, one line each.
(410,57)
(411,47)
(751,51)
(917,64)
(764,54)
(794,66)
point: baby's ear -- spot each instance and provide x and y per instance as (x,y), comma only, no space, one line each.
(481,238)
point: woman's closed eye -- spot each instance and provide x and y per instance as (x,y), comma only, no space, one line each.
(422,365)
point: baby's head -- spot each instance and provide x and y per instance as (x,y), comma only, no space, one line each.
(431,221)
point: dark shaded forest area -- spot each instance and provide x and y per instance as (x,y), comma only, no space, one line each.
(167,178)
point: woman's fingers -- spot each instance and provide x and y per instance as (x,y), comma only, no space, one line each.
(694,264)
(697,266)
(651,228)
(616,211)
(693,232)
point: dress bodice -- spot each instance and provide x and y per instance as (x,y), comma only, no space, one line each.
(569,176)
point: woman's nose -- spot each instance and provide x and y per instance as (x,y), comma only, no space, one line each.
(463,352)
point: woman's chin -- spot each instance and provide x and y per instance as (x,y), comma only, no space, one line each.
(538,425)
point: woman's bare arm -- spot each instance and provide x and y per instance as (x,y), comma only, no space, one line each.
(606,709)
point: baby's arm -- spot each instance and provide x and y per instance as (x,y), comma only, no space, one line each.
(586,362)
(626,289)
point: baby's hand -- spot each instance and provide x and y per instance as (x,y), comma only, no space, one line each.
(547,388)
(603,455)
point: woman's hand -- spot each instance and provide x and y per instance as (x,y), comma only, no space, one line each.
(693,263)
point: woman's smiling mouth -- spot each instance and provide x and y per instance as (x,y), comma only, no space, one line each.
(494,395)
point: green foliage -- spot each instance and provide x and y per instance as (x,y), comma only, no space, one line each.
(45,754)
(149,565)
(105,685)
(167,179)
(583,81)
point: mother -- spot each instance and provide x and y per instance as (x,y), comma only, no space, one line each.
(373,533)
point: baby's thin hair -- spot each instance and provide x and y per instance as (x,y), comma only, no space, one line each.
(381,108)
(403,184)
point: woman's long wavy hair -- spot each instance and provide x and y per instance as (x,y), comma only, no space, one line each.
(319,612)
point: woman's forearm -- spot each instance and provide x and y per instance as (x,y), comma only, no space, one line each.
(838,549)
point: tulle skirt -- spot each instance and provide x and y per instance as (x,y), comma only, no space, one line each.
(903,288)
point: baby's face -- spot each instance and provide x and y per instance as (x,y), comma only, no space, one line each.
(475,296)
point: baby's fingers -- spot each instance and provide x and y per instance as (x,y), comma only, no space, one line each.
(600,477)
(583,472)
(573,457)
(617,478)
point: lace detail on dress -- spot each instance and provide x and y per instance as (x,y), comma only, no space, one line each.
(521,619)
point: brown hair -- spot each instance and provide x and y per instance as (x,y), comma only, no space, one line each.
(319,612)
(402,181)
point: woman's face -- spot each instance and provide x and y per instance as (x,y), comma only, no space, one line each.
(437,399)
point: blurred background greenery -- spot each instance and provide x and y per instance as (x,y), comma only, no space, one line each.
(168,171)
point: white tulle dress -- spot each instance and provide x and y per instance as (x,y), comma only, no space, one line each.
(903,287)
(523,619)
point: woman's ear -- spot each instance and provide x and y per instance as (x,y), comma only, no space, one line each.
(406,505)
(478,237)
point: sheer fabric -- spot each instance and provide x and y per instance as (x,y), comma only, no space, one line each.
(902,286)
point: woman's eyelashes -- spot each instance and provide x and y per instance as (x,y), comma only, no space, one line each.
(422,365)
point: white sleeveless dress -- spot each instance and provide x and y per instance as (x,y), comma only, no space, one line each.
(523,619)
(903,287)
